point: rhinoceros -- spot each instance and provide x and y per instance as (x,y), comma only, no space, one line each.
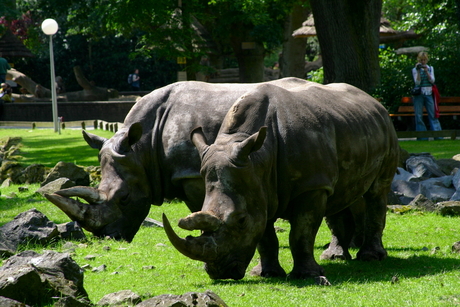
(152,158)
(298,154)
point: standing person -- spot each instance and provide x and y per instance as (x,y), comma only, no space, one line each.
(423,75)
(4,67)
(136,83)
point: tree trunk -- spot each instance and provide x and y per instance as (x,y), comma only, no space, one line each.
(293,56)
(249,54)
(348,33)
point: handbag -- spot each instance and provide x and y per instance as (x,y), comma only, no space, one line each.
(436,98)
(416,91)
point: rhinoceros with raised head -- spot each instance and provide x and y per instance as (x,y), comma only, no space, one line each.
(299,154)
(152,158)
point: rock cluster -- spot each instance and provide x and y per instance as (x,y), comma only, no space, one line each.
(427,184)
(32,279)
(13,172)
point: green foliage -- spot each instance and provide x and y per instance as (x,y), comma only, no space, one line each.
(396,78)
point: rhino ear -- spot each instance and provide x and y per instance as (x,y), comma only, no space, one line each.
(199,140)
(252,143)
(94,141)
(131,137)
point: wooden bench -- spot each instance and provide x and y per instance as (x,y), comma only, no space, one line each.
(448,106)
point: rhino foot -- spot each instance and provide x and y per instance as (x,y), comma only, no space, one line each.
(272,271)
(306,273)
(372,254)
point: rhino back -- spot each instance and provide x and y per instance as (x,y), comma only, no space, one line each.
(169,114)
(333,137)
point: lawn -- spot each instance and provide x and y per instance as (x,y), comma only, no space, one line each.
(418,244)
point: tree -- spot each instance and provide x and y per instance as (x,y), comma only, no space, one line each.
(348,33)
(293,55)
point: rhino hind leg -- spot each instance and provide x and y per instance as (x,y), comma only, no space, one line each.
(372,247)
(347,228)
(342,228)
(268,249)
(305,221)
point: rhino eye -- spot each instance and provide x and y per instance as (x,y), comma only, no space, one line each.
(242,221)
(124,200)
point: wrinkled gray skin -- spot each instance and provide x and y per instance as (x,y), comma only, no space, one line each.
(152,157)
(299,155)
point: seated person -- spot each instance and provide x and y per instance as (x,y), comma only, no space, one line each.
(6,92)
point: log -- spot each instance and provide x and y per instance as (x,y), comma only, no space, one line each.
(90,92)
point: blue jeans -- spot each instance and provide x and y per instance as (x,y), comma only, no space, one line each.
(426,101)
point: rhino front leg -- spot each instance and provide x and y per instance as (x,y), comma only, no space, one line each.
(268,249)
(305,219)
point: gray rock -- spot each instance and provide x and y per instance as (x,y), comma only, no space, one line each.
(423,165)
(422,203)
(437,189)
(149,222)
(7,248)
(34,278)
(56,185)
(191,299)
(7,302)
(34,173)
(71,231)
(120,298)
(30,226)
(69,301)
(406,188)
(456,180)
(7,183)
(68,170)
(456,247)
(403,175)
(448,166)
(448,208)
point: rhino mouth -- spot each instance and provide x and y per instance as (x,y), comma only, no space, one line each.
(94,215)
(233,270)
(218,264)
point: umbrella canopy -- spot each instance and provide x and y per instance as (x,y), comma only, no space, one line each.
(11,46)
(308,28)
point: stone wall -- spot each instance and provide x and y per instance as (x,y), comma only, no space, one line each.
(111,111)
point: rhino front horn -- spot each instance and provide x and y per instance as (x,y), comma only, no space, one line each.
(92,216)
(202,248)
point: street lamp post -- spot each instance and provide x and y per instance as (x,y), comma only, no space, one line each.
(50,27)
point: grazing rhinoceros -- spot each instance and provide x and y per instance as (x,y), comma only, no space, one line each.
(152,157)
(300,155)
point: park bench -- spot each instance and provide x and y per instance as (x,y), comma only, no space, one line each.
(448,106)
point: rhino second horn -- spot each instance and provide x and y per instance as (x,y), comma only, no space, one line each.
(91,195)
(200,220)
(202,248)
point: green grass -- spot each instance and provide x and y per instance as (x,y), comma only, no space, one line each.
(442,149)
(46,147)
(425,279)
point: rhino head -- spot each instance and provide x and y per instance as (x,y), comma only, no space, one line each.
(118,206)
(234,215)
